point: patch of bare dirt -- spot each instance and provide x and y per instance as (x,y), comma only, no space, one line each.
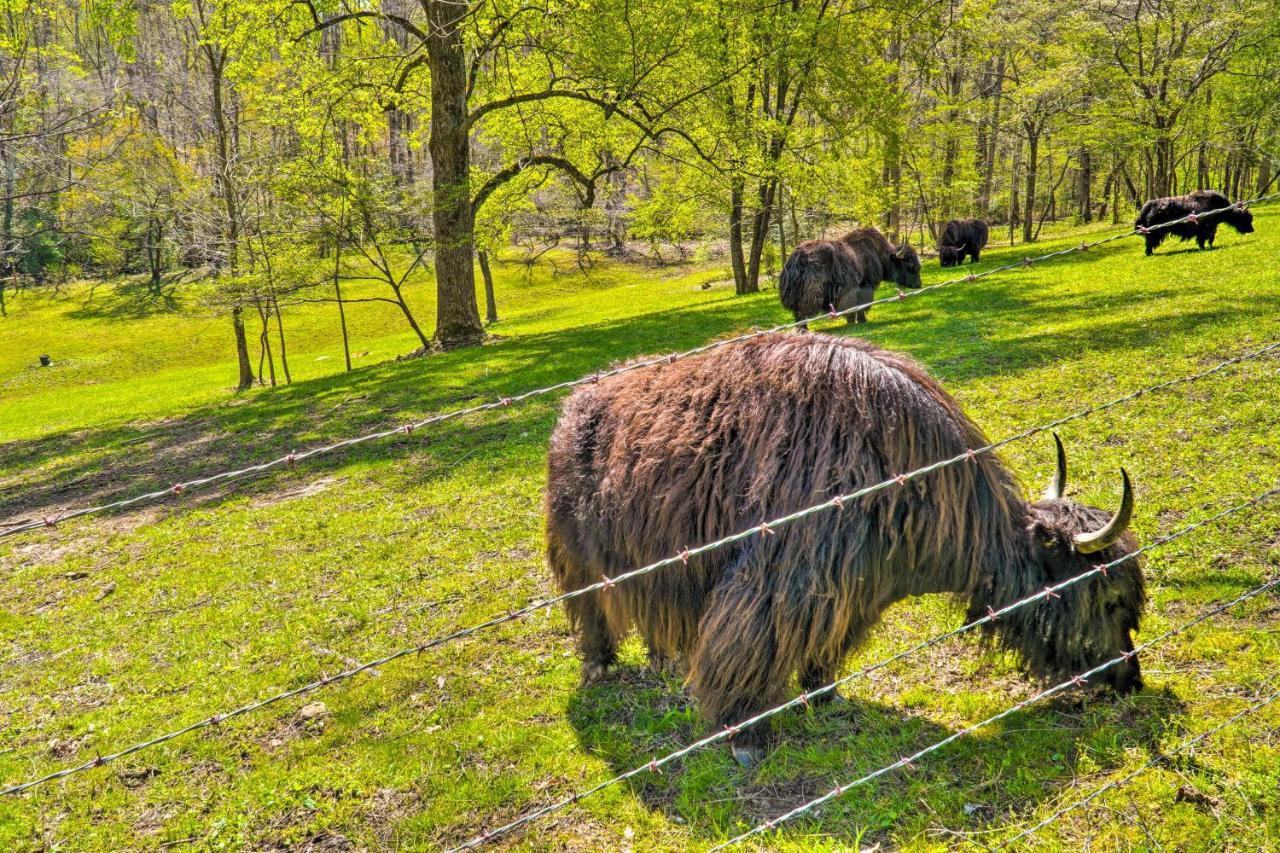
(314,487)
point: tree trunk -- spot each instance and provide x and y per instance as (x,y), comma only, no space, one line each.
(242,349)
(408,315)
(155,233)
(1084,189)
(989,153)
(760,233)
(1013,190)
(284,356)
(490,303)
(1029,199)
(1164,166)
(1115,202)
(265,340)
(735,239)
(782,229)
(891,177)
(457,316)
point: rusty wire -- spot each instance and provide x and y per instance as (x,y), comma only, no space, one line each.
(1075,680)
(834,504)
(1128,777)
(804,699)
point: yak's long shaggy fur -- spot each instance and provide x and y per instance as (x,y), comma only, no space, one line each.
(1161,210)
(961,238)
(821,275)
(648,462)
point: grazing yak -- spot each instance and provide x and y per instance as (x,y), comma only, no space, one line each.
(646,463)
(1160,210)
(962,237)
(825,275)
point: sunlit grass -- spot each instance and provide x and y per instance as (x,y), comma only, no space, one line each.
(121,627)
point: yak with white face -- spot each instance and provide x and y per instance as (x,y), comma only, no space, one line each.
(646,463)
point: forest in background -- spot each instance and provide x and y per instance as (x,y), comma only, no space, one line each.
(281,148)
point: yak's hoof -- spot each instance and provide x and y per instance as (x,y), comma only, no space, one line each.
(748,755)
(593,672)
(660,664)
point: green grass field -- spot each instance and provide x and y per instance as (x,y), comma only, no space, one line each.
(120,627)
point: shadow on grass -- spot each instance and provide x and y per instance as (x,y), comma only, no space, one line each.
(967,332)
(1007,768)
(131,300)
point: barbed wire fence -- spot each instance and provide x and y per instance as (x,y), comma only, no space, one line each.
(805,698)
(1079,679)
(1130,776)
(833,504)
(406,429)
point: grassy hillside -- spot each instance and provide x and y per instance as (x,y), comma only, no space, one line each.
(117,628)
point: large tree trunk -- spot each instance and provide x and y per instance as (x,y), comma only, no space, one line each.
(457,316)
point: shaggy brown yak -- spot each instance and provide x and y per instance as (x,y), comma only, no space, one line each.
(645,463)
(825,275)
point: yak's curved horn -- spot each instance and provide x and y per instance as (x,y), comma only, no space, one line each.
(1088,543)
(1059,482)
(901,252)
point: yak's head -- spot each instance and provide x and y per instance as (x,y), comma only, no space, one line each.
(1240,218)
(949,255)
(906,266)
(1091,621)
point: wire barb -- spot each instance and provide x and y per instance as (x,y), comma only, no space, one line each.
(1012,709)
(804,698)
(687,552)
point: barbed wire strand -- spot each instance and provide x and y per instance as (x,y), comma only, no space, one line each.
(1128,777)
(835,503)
(1075,680)
(406,429)
(805,698)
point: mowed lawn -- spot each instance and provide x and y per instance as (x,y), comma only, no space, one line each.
(121,627)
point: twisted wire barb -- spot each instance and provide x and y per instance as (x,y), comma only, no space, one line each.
(1124,780)
(502,402)
(1075,680)
(835,503)
(655,765)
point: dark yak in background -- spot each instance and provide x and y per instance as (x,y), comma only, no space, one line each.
(1161,210)
(821,275)
(645,463)
(961,237)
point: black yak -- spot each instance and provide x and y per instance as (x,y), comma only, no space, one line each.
(1204,229)
(961,237)
(646,463)
(821,275)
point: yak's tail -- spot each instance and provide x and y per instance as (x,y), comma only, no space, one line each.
(803,282)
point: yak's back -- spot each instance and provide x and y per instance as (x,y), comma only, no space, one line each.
(1161,210)
(695,449)
(965,233)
